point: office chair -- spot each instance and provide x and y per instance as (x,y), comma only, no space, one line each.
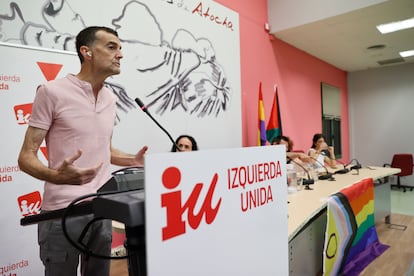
(404,162)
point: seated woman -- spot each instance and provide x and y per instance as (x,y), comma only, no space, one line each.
(284,140)
(321,152)
(185,143)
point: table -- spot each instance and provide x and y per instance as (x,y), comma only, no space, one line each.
(307,215)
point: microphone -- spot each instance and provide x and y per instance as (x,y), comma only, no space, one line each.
(326,153)
(308,181)
(327,174)
(145,109)
(343,171)
(356,167)
(352,160)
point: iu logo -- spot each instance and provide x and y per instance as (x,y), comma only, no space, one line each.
(29,204)
(175,207)
(23,112)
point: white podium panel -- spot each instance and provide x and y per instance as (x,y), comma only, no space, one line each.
(219,212)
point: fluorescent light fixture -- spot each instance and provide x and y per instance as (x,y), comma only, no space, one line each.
(396,26)
(408,53)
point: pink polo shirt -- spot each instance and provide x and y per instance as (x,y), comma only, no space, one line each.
(67,109)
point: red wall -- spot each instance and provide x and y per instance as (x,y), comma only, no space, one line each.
(297,74)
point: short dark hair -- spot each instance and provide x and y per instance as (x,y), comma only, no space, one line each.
(193,142)
(279,138)
(87,37)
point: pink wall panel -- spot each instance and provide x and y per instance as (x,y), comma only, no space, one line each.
(297,74)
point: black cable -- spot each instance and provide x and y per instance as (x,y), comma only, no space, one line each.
(78,246)
(86,229)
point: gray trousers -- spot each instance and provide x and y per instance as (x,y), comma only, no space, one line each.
(60,258)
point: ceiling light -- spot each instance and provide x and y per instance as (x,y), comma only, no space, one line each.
(396,26)
(408,53)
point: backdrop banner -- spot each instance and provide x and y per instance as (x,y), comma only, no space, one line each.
(181,58)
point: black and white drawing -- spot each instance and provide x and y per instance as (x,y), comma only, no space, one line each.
(179,70)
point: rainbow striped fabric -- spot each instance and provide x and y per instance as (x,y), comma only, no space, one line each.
(261,131)
(351,240)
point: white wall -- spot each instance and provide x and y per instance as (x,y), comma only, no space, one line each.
(286,14)
(381,110)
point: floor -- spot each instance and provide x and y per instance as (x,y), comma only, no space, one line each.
(398,259)
(402,203)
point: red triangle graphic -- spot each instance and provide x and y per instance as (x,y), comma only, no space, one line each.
(44,151)
(49,70)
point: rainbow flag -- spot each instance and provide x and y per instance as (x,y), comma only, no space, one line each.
(261,130)
(351,240)
(274,126)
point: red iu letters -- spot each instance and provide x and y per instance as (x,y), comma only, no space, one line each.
(172,201)
(29,204)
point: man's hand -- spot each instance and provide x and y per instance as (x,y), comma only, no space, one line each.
(139,156)
(67,173)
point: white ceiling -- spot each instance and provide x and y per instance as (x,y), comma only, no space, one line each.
(343,40)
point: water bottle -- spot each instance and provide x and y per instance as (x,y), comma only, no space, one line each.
(291,178)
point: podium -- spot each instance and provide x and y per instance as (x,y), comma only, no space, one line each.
(125,204)
(128,208)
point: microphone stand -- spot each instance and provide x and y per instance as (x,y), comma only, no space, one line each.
(145,109)
(308,181)
(343,171)
(327,175)
(355,167)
